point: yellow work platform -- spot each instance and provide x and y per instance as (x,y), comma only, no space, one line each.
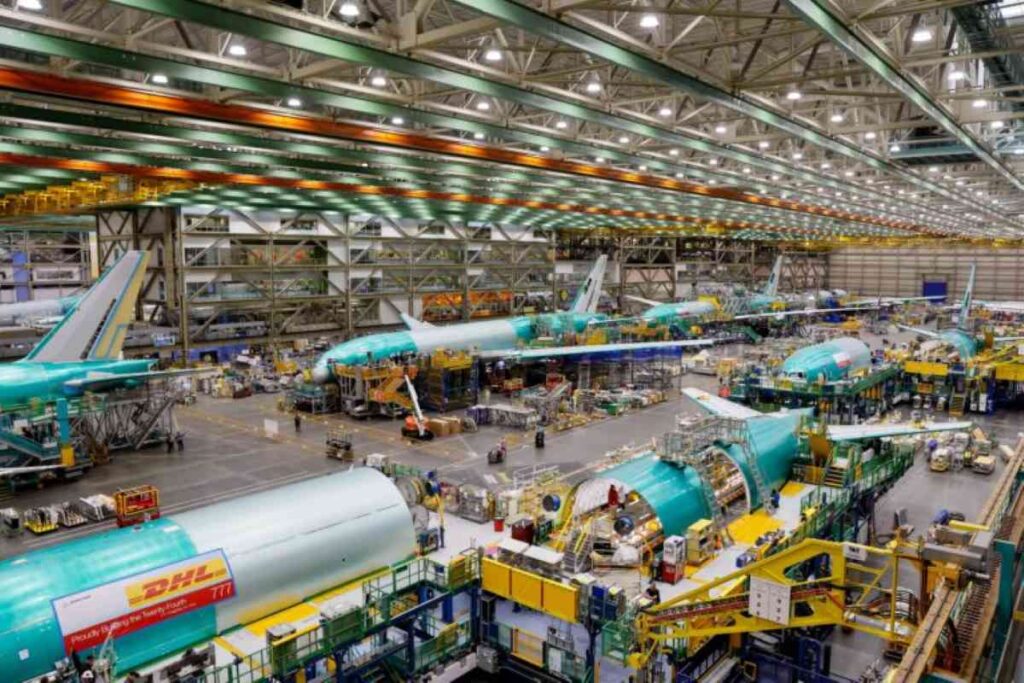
(748,528)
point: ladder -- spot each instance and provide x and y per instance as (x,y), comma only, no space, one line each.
(576,555)
(957,404)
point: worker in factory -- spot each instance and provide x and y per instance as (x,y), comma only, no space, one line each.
(298,423)
(652,593)
(613,497)
(776,499)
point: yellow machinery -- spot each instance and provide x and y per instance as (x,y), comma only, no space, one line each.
(812,583)
(700,542)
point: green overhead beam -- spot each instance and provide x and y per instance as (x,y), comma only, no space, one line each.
(441,174)
(228,20)
(546,26)
(872,58)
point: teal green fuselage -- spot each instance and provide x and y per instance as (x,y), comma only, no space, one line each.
(965,345)
(23,381)
(483,335)
(674,492)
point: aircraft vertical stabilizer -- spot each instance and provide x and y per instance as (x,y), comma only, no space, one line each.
(965,303)
(590,290)
(96,328)
(772,287)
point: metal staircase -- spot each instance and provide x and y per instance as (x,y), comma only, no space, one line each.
(576,555)
(957,404)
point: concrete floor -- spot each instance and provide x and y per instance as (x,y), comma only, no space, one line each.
(228,454)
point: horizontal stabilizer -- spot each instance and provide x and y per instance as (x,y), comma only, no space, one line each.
(932,334)
(641,300)
(414,324)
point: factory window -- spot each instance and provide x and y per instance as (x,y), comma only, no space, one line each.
(206,223)
(364,256)
(209,290)
(541,233)
(481,233)
(369,229)
(206,257)
(300,225)
(433,229)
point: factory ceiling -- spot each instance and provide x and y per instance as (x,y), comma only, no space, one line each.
(778,119)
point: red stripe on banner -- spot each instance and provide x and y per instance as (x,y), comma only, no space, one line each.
(154,614)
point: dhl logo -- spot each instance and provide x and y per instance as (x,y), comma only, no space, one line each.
(182,580)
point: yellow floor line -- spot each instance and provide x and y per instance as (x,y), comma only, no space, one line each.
(229,646)
(291,615)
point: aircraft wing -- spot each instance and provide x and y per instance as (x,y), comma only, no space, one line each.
(414,324)
(875,431)
(640,299)
(917,330)
(12,471)
(1002,306)
(802,312)
(589,349)
(892,300)
(718,406)
(103,381)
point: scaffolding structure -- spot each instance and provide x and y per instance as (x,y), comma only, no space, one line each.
(227,278)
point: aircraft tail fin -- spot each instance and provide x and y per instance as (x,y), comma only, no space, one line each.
(95,329)
(590,290)
(965,303)
(771,288)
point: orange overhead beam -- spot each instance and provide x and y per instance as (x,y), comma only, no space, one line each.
(136,98)
(216,178)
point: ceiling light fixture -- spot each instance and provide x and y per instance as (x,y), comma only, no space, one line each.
(793,95)
(894,148)
(665,111)
(921,35)
(349,9)
(378,81)
(159,79)
(721,129)
(398,121)
(649,21)
(870,135)
(493,54)
(561,124)
(237,50)
(979,103)
(483,105)
(32,5)
(837,118)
